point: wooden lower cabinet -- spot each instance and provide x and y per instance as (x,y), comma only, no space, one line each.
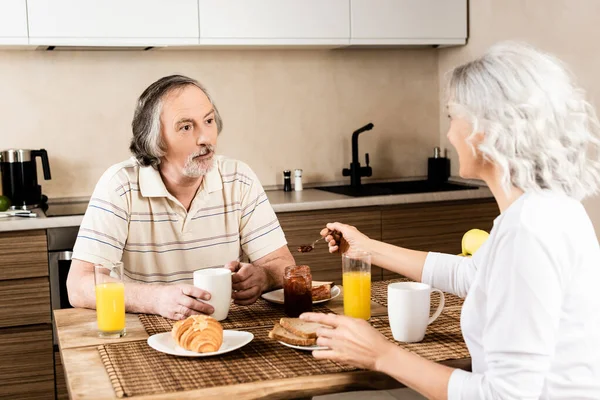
(26,362)
(304,227)
(59,375)
(437,226)
(26,346)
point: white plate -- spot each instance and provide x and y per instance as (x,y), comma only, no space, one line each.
(276,296)
(232,340)
(305,348)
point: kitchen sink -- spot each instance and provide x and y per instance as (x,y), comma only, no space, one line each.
(388,188)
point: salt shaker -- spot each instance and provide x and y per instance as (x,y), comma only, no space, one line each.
(287,181)
(298,180)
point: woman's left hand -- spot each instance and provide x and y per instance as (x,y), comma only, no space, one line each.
(351,341)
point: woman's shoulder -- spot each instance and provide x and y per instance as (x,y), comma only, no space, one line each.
(548,217)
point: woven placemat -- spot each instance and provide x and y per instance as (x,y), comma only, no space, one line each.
(379,294)
(261,313)
(134,368)
(443,339)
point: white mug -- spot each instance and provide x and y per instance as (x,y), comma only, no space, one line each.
(408,310)
(217,282)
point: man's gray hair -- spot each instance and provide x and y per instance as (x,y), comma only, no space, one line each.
(538,127)
(147,144)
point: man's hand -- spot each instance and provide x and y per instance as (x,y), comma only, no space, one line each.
(179,301)
(249,282)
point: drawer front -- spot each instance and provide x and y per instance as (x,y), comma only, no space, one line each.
(26,365)
(23,254)
(303,228)
(24,302)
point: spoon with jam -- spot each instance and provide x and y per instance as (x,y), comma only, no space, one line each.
(307,248)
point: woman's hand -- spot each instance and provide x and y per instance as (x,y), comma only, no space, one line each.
(341,238)
(351,341)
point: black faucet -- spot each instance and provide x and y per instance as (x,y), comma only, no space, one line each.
(356,171)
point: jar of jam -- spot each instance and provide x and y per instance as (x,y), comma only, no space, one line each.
(297,290)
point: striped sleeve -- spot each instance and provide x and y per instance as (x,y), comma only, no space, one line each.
(105,226)
(260,233)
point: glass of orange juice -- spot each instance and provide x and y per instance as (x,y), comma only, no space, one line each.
(110,299)
(356,281)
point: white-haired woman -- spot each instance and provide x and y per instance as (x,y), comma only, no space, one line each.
(531,318)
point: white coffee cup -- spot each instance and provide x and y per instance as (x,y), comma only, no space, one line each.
(408,310)
(217,282)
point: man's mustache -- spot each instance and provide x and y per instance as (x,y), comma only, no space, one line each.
(204,150)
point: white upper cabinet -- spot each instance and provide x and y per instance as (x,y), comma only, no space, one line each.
(274,22)
(13,22)
(113,22)
(397,22)
(325,23)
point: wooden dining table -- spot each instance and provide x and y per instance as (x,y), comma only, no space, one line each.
(86,376)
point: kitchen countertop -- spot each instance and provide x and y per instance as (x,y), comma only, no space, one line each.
(306,200)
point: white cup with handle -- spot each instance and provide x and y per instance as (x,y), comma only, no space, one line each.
(408,310)
(217,282)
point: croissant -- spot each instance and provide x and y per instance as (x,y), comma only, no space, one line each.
(199,333)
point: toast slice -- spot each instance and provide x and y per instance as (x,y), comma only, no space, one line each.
(319,283)
(321,292)
(300,328)
(279,333)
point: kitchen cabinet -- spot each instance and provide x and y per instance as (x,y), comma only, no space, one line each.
(62,393)
(113,22)
(435,226)
(303,228)
(399,22)
(274,22)
(26,348)
(13,22)
(322,23)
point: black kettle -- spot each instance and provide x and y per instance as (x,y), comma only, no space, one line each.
(19,177)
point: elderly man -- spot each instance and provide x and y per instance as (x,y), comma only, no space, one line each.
(177,207)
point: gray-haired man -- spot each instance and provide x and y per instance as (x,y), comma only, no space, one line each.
(176,207)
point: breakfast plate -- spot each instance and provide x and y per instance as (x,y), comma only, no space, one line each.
(232,340)
(276,296)
(305,348)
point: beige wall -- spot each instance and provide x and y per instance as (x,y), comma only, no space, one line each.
(570,29)
(282,109)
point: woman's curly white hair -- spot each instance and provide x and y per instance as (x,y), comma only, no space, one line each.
(538,127)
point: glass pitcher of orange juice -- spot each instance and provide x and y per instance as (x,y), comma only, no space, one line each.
(110,299)
(356,281)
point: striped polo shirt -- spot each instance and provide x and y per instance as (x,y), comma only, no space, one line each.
(132,218)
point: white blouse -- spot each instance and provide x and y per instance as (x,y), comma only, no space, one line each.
(531,317)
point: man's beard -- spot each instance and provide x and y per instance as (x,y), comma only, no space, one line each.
(197,167)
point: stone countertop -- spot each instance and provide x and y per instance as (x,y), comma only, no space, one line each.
(306,200)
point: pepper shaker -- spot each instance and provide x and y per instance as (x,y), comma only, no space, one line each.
(287,181)
(298,180)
